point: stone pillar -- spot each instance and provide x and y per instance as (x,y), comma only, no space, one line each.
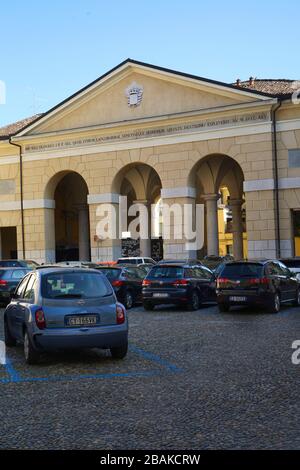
(178,221)
(212,223)
(104,207)
(83,235)
(237,227)
(145,243)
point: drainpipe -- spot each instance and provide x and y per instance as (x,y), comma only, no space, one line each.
(276,179)
(21,195)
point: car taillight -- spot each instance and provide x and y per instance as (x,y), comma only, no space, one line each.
(3,283)
(117,283)
(222,281)
(120,314)
(146,282)
(40,319)
(180,282)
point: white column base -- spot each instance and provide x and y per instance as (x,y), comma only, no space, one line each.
(104,254)
(261,249)
(40,256)
(178,251)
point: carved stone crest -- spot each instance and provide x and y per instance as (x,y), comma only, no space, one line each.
(134,94)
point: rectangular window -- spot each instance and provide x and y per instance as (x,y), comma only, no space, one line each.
(294,158)
(296,231)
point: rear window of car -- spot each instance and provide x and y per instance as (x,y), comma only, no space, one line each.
(111,273)
(77,285)
(242,270)
(18,273)
(166,271)
(134,273)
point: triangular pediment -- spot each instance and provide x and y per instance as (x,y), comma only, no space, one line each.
(135,91)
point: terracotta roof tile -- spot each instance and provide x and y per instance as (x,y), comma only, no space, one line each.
(11,129)
(276,87)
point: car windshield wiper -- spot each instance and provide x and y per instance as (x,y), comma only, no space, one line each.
(68,296)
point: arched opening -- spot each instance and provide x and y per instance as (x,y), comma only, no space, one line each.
(71,219)
(218,180)
(141,185)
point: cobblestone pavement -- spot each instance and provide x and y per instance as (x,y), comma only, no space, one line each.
(191,380)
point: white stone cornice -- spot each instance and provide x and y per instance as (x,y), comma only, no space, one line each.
(185,191)
(27,204)
(269,184)
(105,198)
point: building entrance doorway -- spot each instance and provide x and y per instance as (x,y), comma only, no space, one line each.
(8,243)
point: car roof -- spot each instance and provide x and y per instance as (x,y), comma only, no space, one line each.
(254,260)
(15,268)
(64,269)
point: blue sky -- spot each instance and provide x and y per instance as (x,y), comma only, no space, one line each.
(51,49)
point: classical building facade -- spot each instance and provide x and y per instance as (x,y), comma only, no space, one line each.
(153,134)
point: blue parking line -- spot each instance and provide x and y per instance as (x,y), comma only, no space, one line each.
(57,378)
(154,358)
(13,374)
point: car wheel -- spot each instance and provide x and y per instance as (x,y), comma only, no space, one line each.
(274,305)
(8,338)
(296,302)
(223,307)
(31,355)
(194,301)
(119,352)
(128,300)
(148,305)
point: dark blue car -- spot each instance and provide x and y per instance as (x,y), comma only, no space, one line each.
(178,283)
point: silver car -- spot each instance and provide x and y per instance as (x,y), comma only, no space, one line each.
(65,308)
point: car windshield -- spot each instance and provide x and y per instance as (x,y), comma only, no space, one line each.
(127,261)
(242,270)
(291,263)
(75,285)
(166,271)
(10,263)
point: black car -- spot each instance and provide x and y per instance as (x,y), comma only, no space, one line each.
(18,263)
(126,282)
(9,279)
(178,283)
(261,283)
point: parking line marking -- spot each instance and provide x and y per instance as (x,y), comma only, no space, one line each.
(15,377)
(13,374)
(154,358)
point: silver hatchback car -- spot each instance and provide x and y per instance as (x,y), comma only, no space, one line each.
(65,308)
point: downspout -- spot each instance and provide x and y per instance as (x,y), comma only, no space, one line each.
(276,179)
(21,195)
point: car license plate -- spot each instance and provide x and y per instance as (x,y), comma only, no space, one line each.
(160,294)
(236,298)
(82,320)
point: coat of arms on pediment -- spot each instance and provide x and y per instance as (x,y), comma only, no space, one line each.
(134,94)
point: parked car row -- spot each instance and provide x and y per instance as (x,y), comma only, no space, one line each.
(62,306)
